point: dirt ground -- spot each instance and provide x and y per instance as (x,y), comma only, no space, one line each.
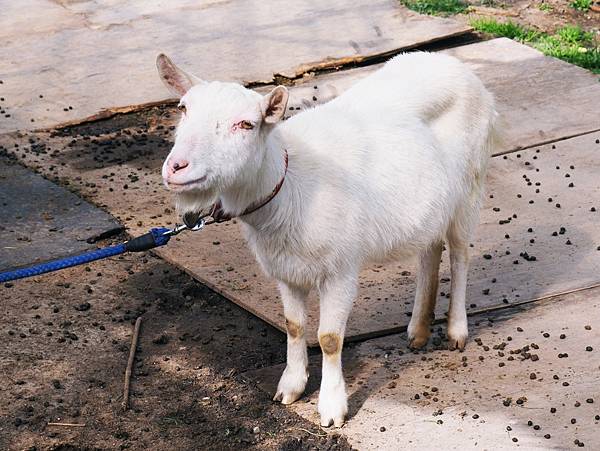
(65,344)
(544,15)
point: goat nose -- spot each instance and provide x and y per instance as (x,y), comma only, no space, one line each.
(177,165)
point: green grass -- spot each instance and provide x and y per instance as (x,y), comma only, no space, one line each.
(491,3)
(546,7)
(581,5)
(436,7)
(570,43)
(505,29)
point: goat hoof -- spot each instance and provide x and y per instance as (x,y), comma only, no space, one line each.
(457,342)
(337,422)
(457,334)
(418,334)
(291,385)
(287,398)
(417,342)
(333,406)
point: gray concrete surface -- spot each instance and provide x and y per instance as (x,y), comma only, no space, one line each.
(41,221)
(513,371)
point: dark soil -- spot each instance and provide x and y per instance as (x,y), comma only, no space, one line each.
(543,15)
(65,344)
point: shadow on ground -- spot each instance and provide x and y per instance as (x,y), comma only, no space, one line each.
(65,346)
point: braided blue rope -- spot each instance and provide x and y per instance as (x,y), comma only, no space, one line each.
(62,263)
(156,237)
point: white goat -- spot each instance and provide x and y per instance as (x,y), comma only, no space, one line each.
(395,165)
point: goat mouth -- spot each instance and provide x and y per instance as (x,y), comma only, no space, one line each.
(186,185)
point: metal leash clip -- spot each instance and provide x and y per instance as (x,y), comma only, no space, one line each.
(198,225)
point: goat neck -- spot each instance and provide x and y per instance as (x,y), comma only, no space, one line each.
(259,184)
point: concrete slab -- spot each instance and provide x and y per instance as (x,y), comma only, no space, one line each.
(66,60)
(520,364)
(40,221)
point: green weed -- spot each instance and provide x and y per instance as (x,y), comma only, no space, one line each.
(509,29)
(436,7)
(581,5)
(569,43)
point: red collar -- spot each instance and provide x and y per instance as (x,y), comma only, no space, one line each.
(216,210)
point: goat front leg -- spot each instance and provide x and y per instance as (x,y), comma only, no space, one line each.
(336,299)
(294,377)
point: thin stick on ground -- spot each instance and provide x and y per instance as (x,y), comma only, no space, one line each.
(72,425)
(311,433)
(134,340)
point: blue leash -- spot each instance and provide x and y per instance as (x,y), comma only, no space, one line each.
(154,238)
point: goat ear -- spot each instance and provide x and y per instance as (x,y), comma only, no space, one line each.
(274,104)
(176,80)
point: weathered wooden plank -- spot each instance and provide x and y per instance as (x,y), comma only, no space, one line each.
(565,262)
(86,57)
(219,257)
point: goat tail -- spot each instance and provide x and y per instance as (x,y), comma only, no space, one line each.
(493,141)
(496,139)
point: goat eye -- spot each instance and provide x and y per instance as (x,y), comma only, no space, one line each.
(181,107)
(246,125)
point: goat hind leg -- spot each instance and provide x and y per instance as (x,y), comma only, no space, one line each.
(458,240)
(427,287)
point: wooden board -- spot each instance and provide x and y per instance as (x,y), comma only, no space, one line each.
(218,256)
(40,221)
(461,396)
(386,292)
(87,57)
